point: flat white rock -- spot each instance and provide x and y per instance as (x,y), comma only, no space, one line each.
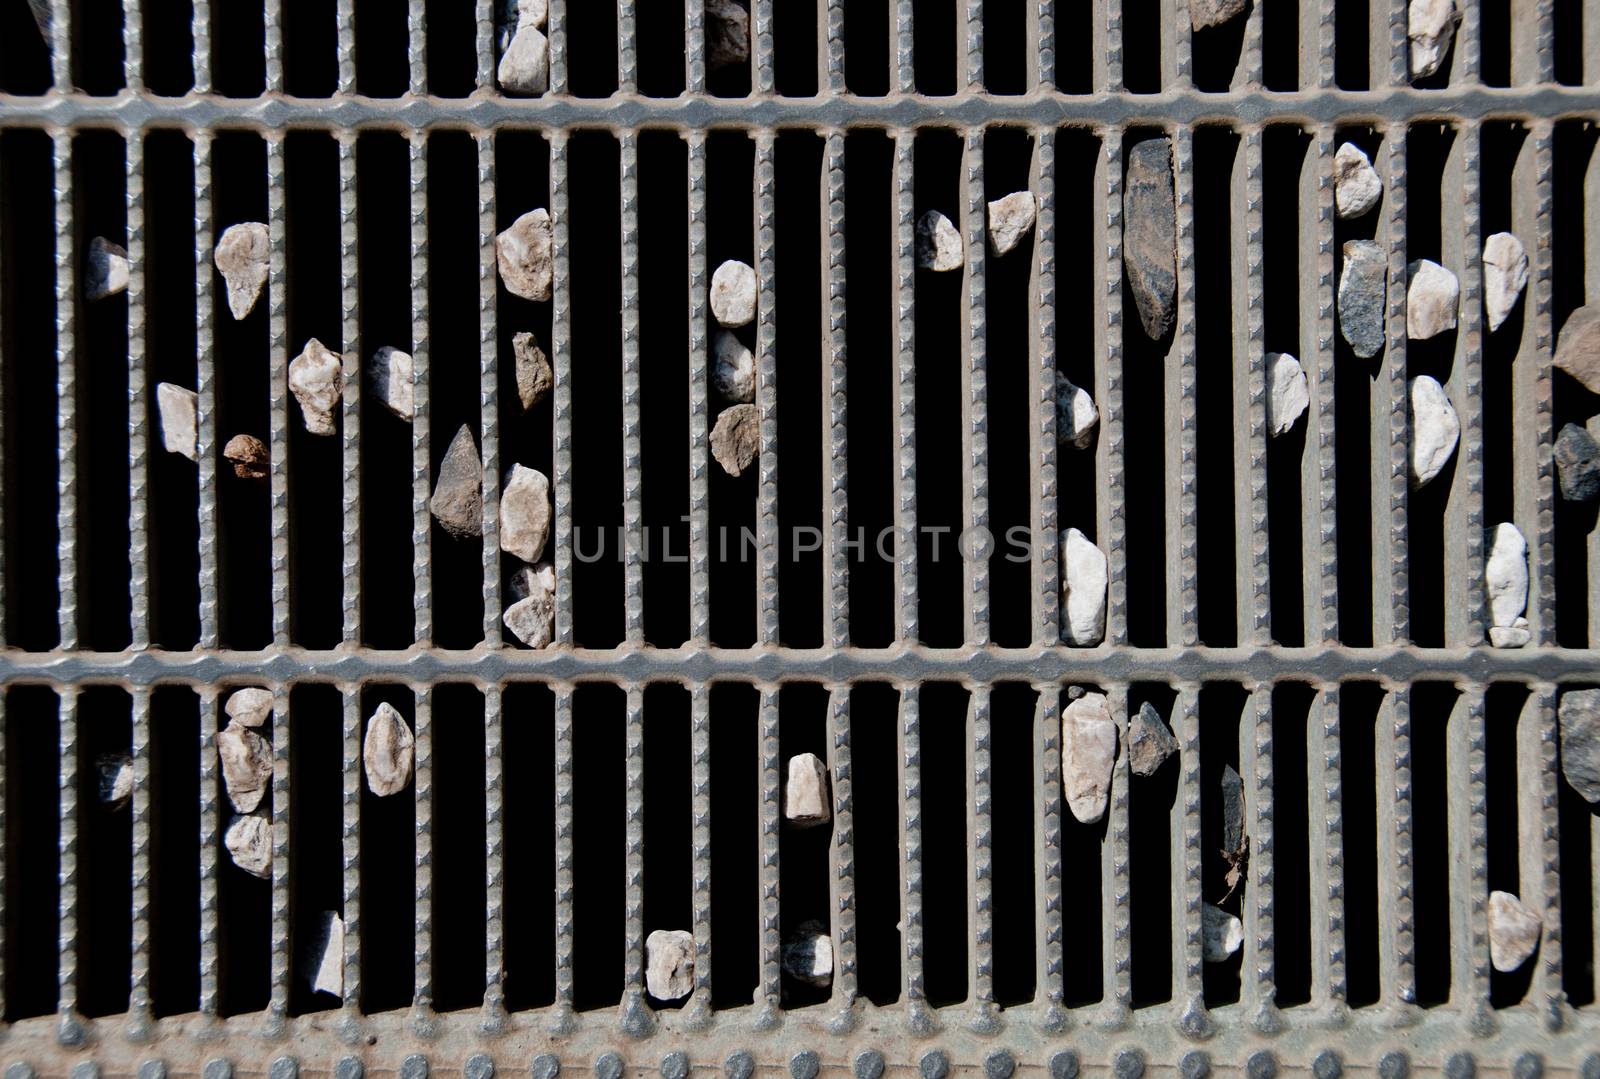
(246,760)
(1431,26)
(522,253)
(1432,298)
(1076,415)
(315,378)
(1083,589)
(805,795)
(178,407)
(1505,275)
(1519,634)
(323,955)
(808,956)
(388,752)
(249,843)
(938,243)
(1505,575)
(669,964)
(733,369)
(525,513)
(249,707)
(1088,751)
(1010,220)
(1514,931)
(525,63)
(1286,392)
(532,618)
(1356,186)
(242,256)
(1221,934)
(1434,429)
(733,294)
(107,272)
(389,374)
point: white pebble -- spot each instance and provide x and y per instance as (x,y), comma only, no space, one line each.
(1010,220)
(938,243)
(1076,415)
(1088,752)
(805,795)
(390,376)
(242,256)
(733,369)
(1506,575)
(178,407)
(1431,300)
(1431,25)
(249,843)
(246,760)
(1514,931)
(522,253)
(1286,392)
(669,964)
(525,63)
(387,751)
(1083,589)
(249,707)
(1505,275)
(315,379)
(1356,186)
(733,294)
(532,617)
(808,956)
(1434,429)
(323,955)
(525,513)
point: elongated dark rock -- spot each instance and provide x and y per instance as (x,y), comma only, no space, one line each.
(1149,235)
(1362,288)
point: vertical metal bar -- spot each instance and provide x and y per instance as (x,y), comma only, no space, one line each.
(1461,251)
(278,380)
(1183,572)
(556,21)
(699,414)
(489,387)
(561,366)
(632,476)
(273,35)
(422,1002)
(345,21)
(1390,48)
(771,944)
(1260,966)
(842,875)
(833,34)
(421,454)
(975,380)
(350,398)
(1391,591)
(1324,812)
(350,851)
(494,921)
(985,1017)
(767,387)
(1535,485)
(278,1008)
(132,46)
(904,419)
(1248,73)
(1110,464)
(974,44)
(138,383)
(69,1027)
(200,31)
(1318,496)
(1468,837)
(205,386)
(1397,981)
(1049,931)
(139,1013)
(61,45)
(1177,47)
(1539,845)
(484,16)
(417,45)
(210,834)
(1046,564)
(1316,46)
(627,48)
(1464,67)
(1254,609)
(694,53)
(1188,862)
(905,73)
(761,18)
(1115,921)
(699,1011)
(919,1018)
(835,496)
(563,1019)
(1107,52)
(636,1019)
(66,251)
(1046,13)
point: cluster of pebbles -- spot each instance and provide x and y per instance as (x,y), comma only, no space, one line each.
(736,436)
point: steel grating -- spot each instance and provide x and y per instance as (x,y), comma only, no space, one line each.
(1541,1030)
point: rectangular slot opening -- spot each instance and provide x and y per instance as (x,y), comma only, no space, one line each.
(528,861)
(316,836)
(174,857)
(1215,51)
(591,56)
(1494,45)
(1358,716)
(1501,146)
(1081,900)
(1221,709)
(453,48)
(1503,705)
(1080,342)
(105,854)
(870,62)
(383,68)
(803,860)
(936,36)
(388,874)
(1431,705)
(795,47)
(1292,877)
(459,849)
(946,755)
(238,49)
(1008,60)
(731,80)
(1012,767)
(1280,49)
(24,54)
(33,889)
(310,47)
(244,900)
(1568,30)
(874,754)
(668,815)
(735,839)
(1143,22)
(1150,883)
(599,735)
(1351,43)
(661,64)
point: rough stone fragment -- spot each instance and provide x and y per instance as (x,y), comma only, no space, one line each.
(1434,430)
(1204,14)
(805,794)
(1517,635)
(107,272)
(1233,837)
(534,377)
(669,964)
(242,256)
(1514,931)
(525,63)
(389,374)
(1150,235)
(526,12)
(1083,589)
(938,243)
(1432,26)
(114,779)
(322,955)
(1577,464)
(736,438)
(1356,186)
(1088,751)
(1362,289)
(249,843)
(733,369)
(246,760)
(1287,396)
(808,955)
(387,752)
(1010,220)
(249,456)
(525,513)
(1221,934)
(1506,574)
(733,294)
(177,407)
(1578,353)
(532,617)
(249,707)
(1579,716)
(727,35)
(1432,297)
(522,252)
(1149,741)
(457,502)
(315,379)
(1505,275)
(1076,416)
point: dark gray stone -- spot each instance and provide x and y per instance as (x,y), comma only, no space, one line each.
(999,1065)
(414,1066)
(1208,13)
(869,1064)
(1232,810)
(1363,286)
(675,1065)
(1149,234)
(457,502)
(934,1064)
(1194,1065)
(805,1064)
(1460,1066)
(1149,741)
(1327,1065)
(1128,1064)
(1580,741)
(479,1066)
(544,1066)
(1577,464)
(739,1065)
(1394,1065)
(1064,1065)
(608,1066)
(1261,1065)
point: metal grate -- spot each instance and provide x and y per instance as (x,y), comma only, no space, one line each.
(1293,610)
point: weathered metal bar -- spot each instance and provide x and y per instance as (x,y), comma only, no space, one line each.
(489,388)
(1397,979)
(350,852)
(1251,549)
(835,497)
(694,52)
(282,866)
(762,81)
(1188,861)
(1111,528)
(563,1019)
(1116,977)
(61,44)
(831,16)
(350,398)
(484,16)
(770,945)
(632,474)
(1461,253)
(422,1017)
(1539,848)
(200,33)
(421,454)
(272,37)
(493,1017)
(903,68)
(699,1008)
(1390,438)
(985,1013)
(206,389)
(627,48)
(138,374)
(842,857)
(1181,486)
(1046,564)
(635,1018)
(975,391)
(140,1016)
(561,367)
(66,259)
(699,409)
(556,24)
(68,1024)
(1466,793)
(766,388)
(1049,928)
(210,839)
(904,419)
(278,384)
(1325,813)
(918,1016)
(1259,972)
(1319,556)
(417,45)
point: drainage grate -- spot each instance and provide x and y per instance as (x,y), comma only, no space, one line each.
(1308,627)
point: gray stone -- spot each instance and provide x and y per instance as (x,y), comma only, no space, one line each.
(1519,634)
(1505,575)
(736,438)
(669,964)
(808,955)
(1232,809)
(113,779)
(322,955)
(387,751)
(1083,590)
(1088,752)
(1505,275)
(1011,220)
(522,253)
(107,271)
(316,380)
(1221,934)
(805,794)
(525,513)
(733,369)
(1432,296)
(1578,353)
(532,617)
(243,256)
(1362,289)
(1434,429)
(1149,235)
(727,35)
(1204,14)
(1431,26)
(246,760)
(1356,186)
(1287,396)
(938,243)
(249,843)
(249,457)
(534,377)
(178,407)
(733,294)
(250,706)
(1577,458)
(525,63)
(1149,741)
(1514,931)
(1580,741)
(1076,416)
(457,502)
(389,375)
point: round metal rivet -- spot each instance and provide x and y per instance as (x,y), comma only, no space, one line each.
(153,1069)
(1261,1065)
(88,1069)
(1590,1068)
(675,1065)
(1394,1065)
(804,1065)
(1194,1065)
(1460,1066)
(999,1064)
(479,1066)
(19,1070)
(284,1068)
(1327,1065)
(1128,1064)
(608,1066)
(414,1066)
(216,1068)
(1528,1066)
(739,1065)
(869,1064)
(349,1068)
(934,1064)
(1064,1065)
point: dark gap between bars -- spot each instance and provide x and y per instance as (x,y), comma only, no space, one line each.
(459,849)
(941,464)
(795,47)
(870,56)
(803,863)
(1567,19)
(388,845)
(661,63)
(174,854)
(97,54)
(1012,766)
(240,350)
(33,888)
(946,839)
(1143,24)
(238,49)
(1351,35)
(1006,62)
(316,833)
(99,208)
(1432,705)
(1577,822)
(1283,158)
(591,53)
(1222,707)
(244,901)
(1081,897)
(1292,874)
(528,857)
(1359,703)
(310,31)
(1494,46)
(668,816)
(105,857)
(24,55)
(1076,49)
(874,755)
(1150,883)
(599,778)
(383,67)
(1503,704)
(1219,360)
(1216,51)
(453,48)
(735,839)
(1501,146)
(1080,275)
(1280,48)
(168,55)
(937,36)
